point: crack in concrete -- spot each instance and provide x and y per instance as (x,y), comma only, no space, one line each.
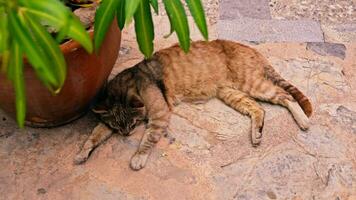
(305,151)
(193,124)
(248,177)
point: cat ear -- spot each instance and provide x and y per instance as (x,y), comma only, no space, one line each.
(135,102)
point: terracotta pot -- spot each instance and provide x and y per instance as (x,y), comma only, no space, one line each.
(86,74)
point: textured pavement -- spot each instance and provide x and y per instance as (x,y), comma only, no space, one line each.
(208,154)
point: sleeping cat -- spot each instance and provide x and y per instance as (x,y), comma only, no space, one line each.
(146,93)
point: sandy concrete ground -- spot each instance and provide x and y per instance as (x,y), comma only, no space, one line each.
(207,154)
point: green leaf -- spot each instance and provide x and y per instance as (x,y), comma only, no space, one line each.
(36,57)
(50,48)
(53,12)
(19,85)
(120,14)
(154,4)
(78,33)
(5,59)
(4,32)
(179,20)
(63,32)
(103,18)
(4,40)
(144,28)
(197,10)
(171,31)
(130,9)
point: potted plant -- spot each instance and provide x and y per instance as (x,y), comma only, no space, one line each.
(48,80)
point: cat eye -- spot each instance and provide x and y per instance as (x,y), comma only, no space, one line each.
(132,126)
(135,102)
(98,111)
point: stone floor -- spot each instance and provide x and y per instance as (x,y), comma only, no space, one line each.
(208,154)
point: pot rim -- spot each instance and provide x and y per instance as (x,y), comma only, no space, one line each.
(67,47)
(72,45)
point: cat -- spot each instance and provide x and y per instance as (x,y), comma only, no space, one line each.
(232,72)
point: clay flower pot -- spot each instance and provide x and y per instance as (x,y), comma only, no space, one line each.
(86,75)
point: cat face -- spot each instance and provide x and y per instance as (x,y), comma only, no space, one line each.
(121,118)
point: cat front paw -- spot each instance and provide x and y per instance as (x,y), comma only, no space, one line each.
(138,161)
(81,157)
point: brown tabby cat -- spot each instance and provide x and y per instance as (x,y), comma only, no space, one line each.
(229,71)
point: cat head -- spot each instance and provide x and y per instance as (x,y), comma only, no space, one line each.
(122,118)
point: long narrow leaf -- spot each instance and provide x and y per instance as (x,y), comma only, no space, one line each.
(19,86)
(179,21)
(171,31)
(130,9)
(103,18)
(53,12)
(5,55)
(154,4)
(144,28)
(4,41)
(54,7)
(63,32)
(120,14)
(50,47)
(35,56)
(78,33)
(4,32)
(197,10)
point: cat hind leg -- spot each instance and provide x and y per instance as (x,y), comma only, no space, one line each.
(242,103)
(269,92)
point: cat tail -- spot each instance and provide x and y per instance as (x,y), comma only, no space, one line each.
(302,100)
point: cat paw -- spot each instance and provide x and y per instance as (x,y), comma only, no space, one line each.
(80,158)
(299,115)
(138,161)
(303,123)
(256,137)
